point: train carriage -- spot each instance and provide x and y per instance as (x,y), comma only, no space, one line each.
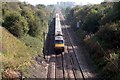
(59,41)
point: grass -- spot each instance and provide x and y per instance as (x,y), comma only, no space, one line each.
(34,43)
(15,53)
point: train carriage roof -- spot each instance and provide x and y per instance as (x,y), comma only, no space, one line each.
(58,30)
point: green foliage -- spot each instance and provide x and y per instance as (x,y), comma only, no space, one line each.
(40,6)
(66,11)
(111,13)
(78,14)
(116,11)
(11,6)
(16,24)
(108,35)
(26,22)
(34,43)
(30,18)
(35,30)
(15,54)
(91,23)
(103,21)
(81,33)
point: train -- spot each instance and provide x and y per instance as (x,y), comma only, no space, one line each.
(59,40)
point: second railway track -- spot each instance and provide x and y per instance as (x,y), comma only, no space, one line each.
(77,70)
(66,66)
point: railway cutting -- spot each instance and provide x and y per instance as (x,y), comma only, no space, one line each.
(63,55)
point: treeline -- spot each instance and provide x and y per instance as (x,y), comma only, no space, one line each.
(101,24)
(23,39)
(26,22)
(22,18)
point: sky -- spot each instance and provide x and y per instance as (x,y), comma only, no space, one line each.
(47,2)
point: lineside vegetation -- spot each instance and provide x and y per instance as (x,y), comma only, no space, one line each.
(99,29)
(22,39)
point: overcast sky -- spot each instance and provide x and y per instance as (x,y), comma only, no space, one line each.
(46,2)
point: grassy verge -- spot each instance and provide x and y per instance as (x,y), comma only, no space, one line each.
(34,43)
(17,54)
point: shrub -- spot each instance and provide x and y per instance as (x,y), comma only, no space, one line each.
(16,24)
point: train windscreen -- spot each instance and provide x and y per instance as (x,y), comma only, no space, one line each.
(59,41)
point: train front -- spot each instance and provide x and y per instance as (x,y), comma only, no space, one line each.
(59,44)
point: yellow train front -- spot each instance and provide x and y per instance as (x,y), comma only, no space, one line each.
(59,44)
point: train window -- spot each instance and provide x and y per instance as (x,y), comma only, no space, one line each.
(59,35)
(59,41)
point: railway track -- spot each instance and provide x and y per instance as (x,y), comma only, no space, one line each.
(65,66)
(71,64)
(77,70)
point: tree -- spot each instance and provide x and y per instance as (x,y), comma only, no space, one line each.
(35,29)
(29,16)
(92,21)
(16,24)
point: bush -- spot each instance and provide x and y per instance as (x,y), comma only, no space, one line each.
(35,30)
(91,24)
(16,24)
(108,35)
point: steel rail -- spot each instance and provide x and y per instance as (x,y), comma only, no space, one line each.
(70,40)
